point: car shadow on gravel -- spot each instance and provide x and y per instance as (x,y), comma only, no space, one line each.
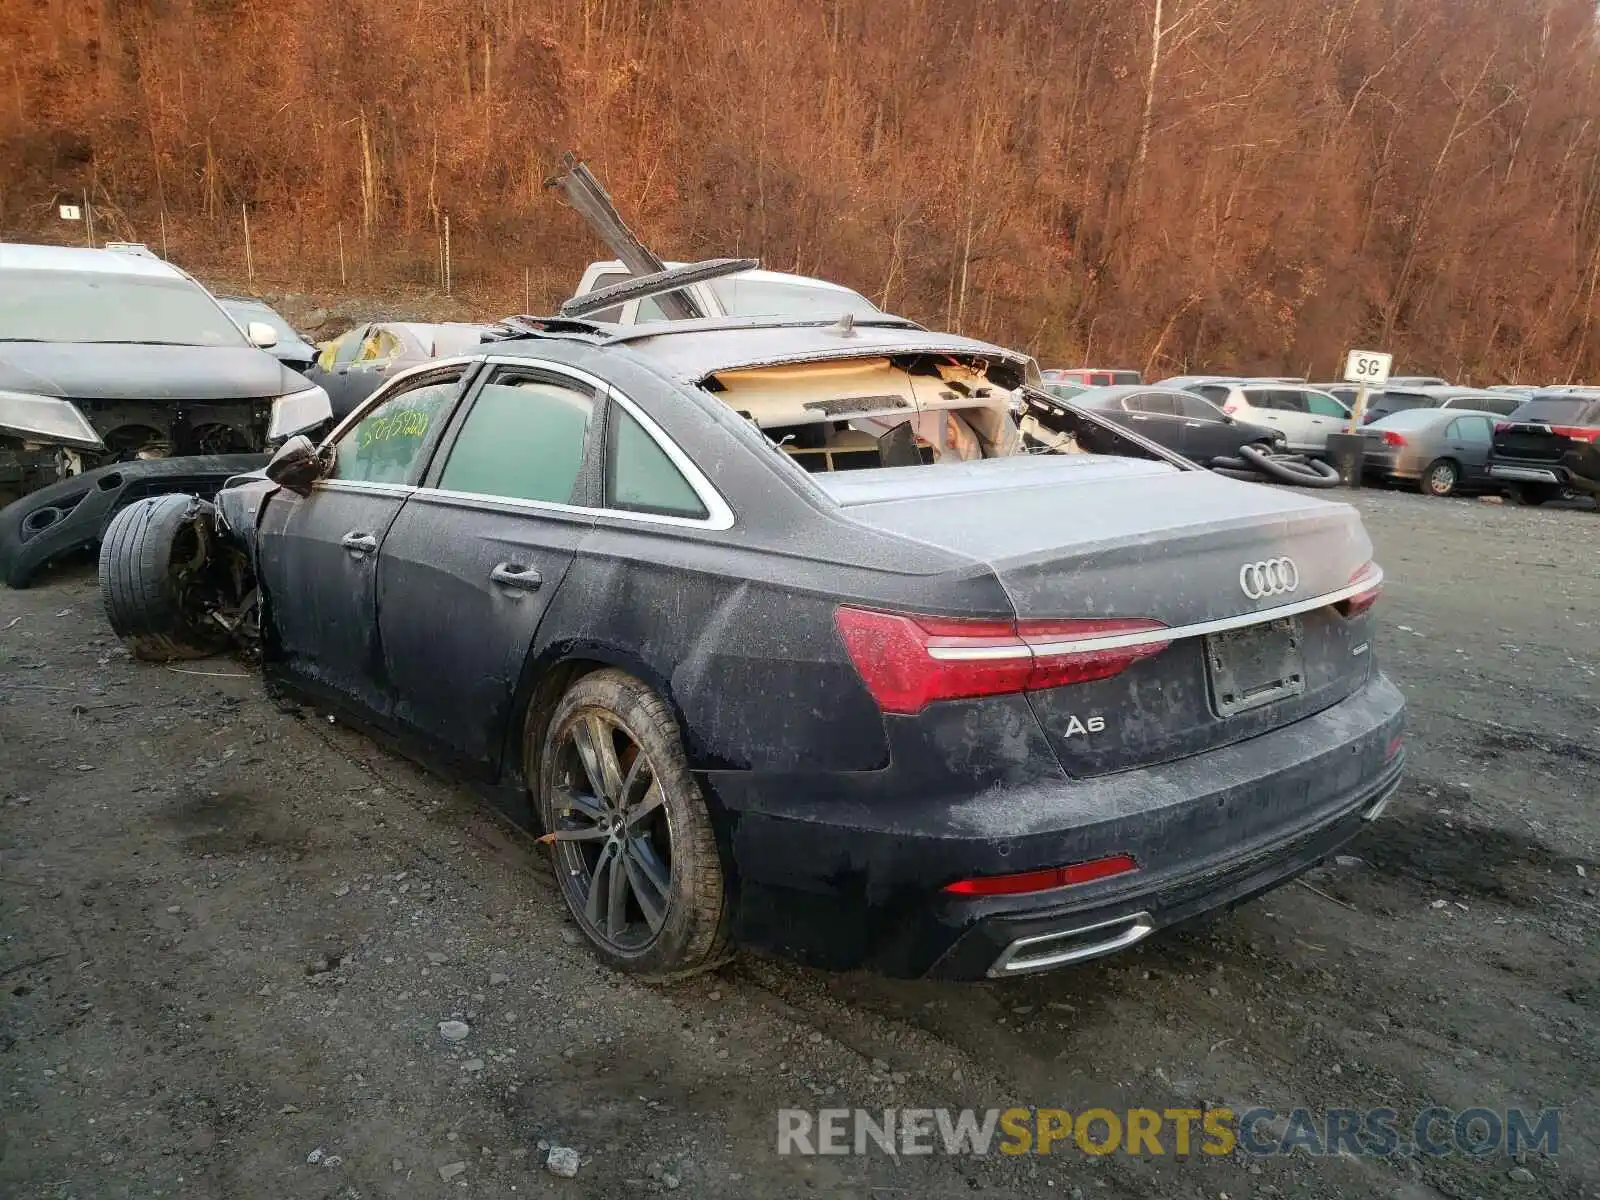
(1440,856)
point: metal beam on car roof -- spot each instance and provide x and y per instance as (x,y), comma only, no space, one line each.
(584,193)
(656,284)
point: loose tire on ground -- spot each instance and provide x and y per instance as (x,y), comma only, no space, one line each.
(1441,477)
(148,552)
(691,933)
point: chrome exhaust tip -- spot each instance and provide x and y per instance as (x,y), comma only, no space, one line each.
(1042,951)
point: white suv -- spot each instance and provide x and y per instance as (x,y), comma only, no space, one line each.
(747,294)
(1305,415)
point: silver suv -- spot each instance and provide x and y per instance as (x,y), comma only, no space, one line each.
(1304,415)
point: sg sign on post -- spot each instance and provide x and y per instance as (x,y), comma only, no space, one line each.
(1368,367)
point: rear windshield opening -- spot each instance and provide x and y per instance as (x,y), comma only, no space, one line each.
(860,414)
(922,410)
(1559,410)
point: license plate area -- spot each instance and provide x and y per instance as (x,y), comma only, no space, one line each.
(1260,664)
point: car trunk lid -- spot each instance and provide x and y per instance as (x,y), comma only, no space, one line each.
(1243,576)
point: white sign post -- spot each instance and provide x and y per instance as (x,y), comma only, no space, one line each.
(71,212)
(1368,369)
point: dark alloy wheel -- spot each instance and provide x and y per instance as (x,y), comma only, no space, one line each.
(633,845)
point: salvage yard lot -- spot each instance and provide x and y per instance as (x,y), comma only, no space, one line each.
(229,932)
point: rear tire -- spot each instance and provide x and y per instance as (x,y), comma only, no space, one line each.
(635,854)
(1441,477)
(1531,495)
(151,550)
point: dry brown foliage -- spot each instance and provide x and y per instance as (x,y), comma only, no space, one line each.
(1168,184)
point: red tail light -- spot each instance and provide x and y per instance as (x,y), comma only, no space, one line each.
(909,662)
(1503,426)
(1576,433)
(1372,577)
(1043,881)
(1391,438)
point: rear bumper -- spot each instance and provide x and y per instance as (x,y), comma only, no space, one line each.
(1520,473)
(1208,831)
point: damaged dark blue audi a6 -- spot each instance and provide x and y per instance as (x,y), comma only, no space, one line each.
(833,637)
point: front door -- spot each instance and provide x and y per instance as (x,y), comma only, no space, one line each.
(1326,415)
(1206,432)
(318,554)
(470,566)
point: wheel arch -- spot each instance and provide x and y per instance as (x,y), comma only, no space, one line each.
(547,673)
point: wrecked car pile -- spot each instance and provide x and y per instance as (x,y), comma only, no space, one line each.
(110,358)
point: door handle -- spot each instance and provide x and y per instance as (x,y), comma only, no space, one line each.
(1194,424)
(359,544)
(525,579)
(1137,417)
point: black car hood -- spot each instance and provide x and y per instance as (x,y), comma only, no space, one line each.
(112,371)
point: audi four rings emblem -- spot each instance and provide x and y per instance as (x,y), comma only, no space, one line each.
(1274,577)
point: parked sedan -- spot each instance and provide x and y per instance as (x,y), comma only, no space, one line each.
(354,364)
(985,716)
(1442,451)
(1181,421)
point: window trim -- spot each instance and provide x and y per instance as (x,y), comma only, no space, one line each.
(720,515)
(382,396)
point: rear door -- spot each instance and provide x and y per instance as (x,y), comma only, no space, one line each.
(471,564)
(1467,440)
(318,554)
(1155,414)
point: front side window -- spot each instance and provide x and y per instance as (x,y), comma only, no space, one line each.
(522,440)
(1324,406)
(639,475)
(1196,409)
(380,346)
(343,349)
(389,444)
(109,308)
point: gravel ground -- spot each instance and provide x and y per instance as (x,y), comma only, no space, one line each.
(230,934)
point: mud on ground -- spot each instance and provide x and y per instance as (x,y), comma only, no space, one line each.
(229,932)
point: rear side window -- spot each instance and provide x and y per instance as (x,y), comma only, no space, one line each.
(1151,402)
(640,477)
(523,440)
(1126,377)
(613,314)
(1100,379)
(1472,430)
(388,445)
(1214,392)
